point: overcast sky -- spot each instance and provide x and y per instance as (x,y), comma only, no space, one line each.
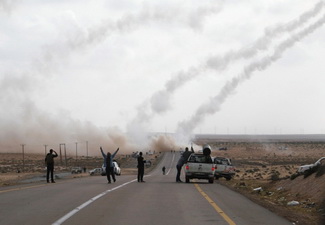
(224,67)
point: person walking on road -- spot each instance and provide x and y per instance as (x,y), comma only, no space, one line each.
(49,161)
(108,164)
(141,163)
(164,170)
(182,160)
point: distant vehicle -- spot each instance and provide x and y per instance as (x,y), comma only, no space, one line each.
(76,170)
(117,169)
(304,168)
(223,168)
(147,163)
(223,149)
(135,154)
(96,171)
(199,166)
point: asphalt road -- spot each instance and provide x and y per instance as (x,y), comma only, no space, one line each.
(160,200)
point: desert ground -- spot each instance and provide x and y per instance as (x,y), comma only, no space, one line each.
(269,166)
(272,166)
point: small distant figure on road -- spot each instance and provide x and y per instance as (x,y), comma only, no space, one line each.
(141,163)
(108,164)
(164,170)
(85,169)
(49,161)
(182,160)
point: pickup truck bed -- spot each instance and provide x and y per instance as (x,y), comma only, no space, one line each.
(224,168)
(199,166)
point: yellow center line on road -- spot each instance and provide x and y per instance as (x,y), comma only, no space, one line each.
(215,206)
(22,188)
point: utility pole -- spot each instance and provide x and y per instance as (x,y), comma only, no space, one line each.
(87,148)
(23,150)
(76,151)
(60,154)
(65,154)
(45,149)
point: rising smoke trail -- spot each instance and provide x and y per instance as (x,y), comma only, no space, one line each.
(215,103)
(159,102)
(34,124)
(7,6)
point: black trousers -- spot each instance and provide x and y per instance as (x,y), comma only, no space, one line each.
(140,173)
(179,170)
(109,173)
(50,170)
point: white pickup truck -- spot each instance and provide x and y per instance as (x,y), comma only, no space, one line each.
(304,168)
(199,166)
(223,168)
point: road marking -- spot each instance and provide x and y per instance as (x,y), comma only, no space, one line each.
(74,211)
(171,164)
(22,188)
(215,206)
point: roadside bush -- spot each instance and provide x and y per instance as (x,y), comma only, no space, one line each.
(294,176)
(275,177)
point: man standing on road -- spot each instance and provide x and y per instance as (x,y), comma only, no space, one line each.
(49,161)
(108,163)
(140,167)
(182,160)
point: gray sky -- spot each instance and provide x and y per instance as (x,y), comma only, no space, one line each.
(73,68)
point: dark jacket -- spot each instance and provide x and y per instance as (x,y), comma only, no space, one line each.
(183,159)
(141,162)
(49,159)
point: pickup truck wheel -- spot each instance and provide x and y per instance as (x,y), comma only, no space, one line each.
(228,178)
(217,177)
(187,180)
(211,180)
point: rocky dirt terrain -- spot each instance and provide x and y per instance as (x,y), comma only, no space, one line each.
(266,173)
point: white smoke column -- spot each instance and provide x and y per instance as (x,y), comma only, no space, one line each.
(35,125)
(221,62)
(159,102)
(7,5)
(214,105)
(84,38)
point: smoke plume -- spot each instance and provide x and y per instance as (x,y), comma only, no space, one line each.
(159,102)
(35,125)
(215,103)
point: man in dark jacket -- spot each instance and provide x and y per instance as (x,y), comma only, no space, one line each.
(49,161)
(182,160)
(141,163)
(108,164)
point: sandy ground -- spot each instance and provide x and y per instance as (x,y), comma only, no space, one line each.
(272,166)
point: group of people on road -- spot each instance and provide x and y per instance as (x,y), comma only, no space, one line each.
(109,166)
